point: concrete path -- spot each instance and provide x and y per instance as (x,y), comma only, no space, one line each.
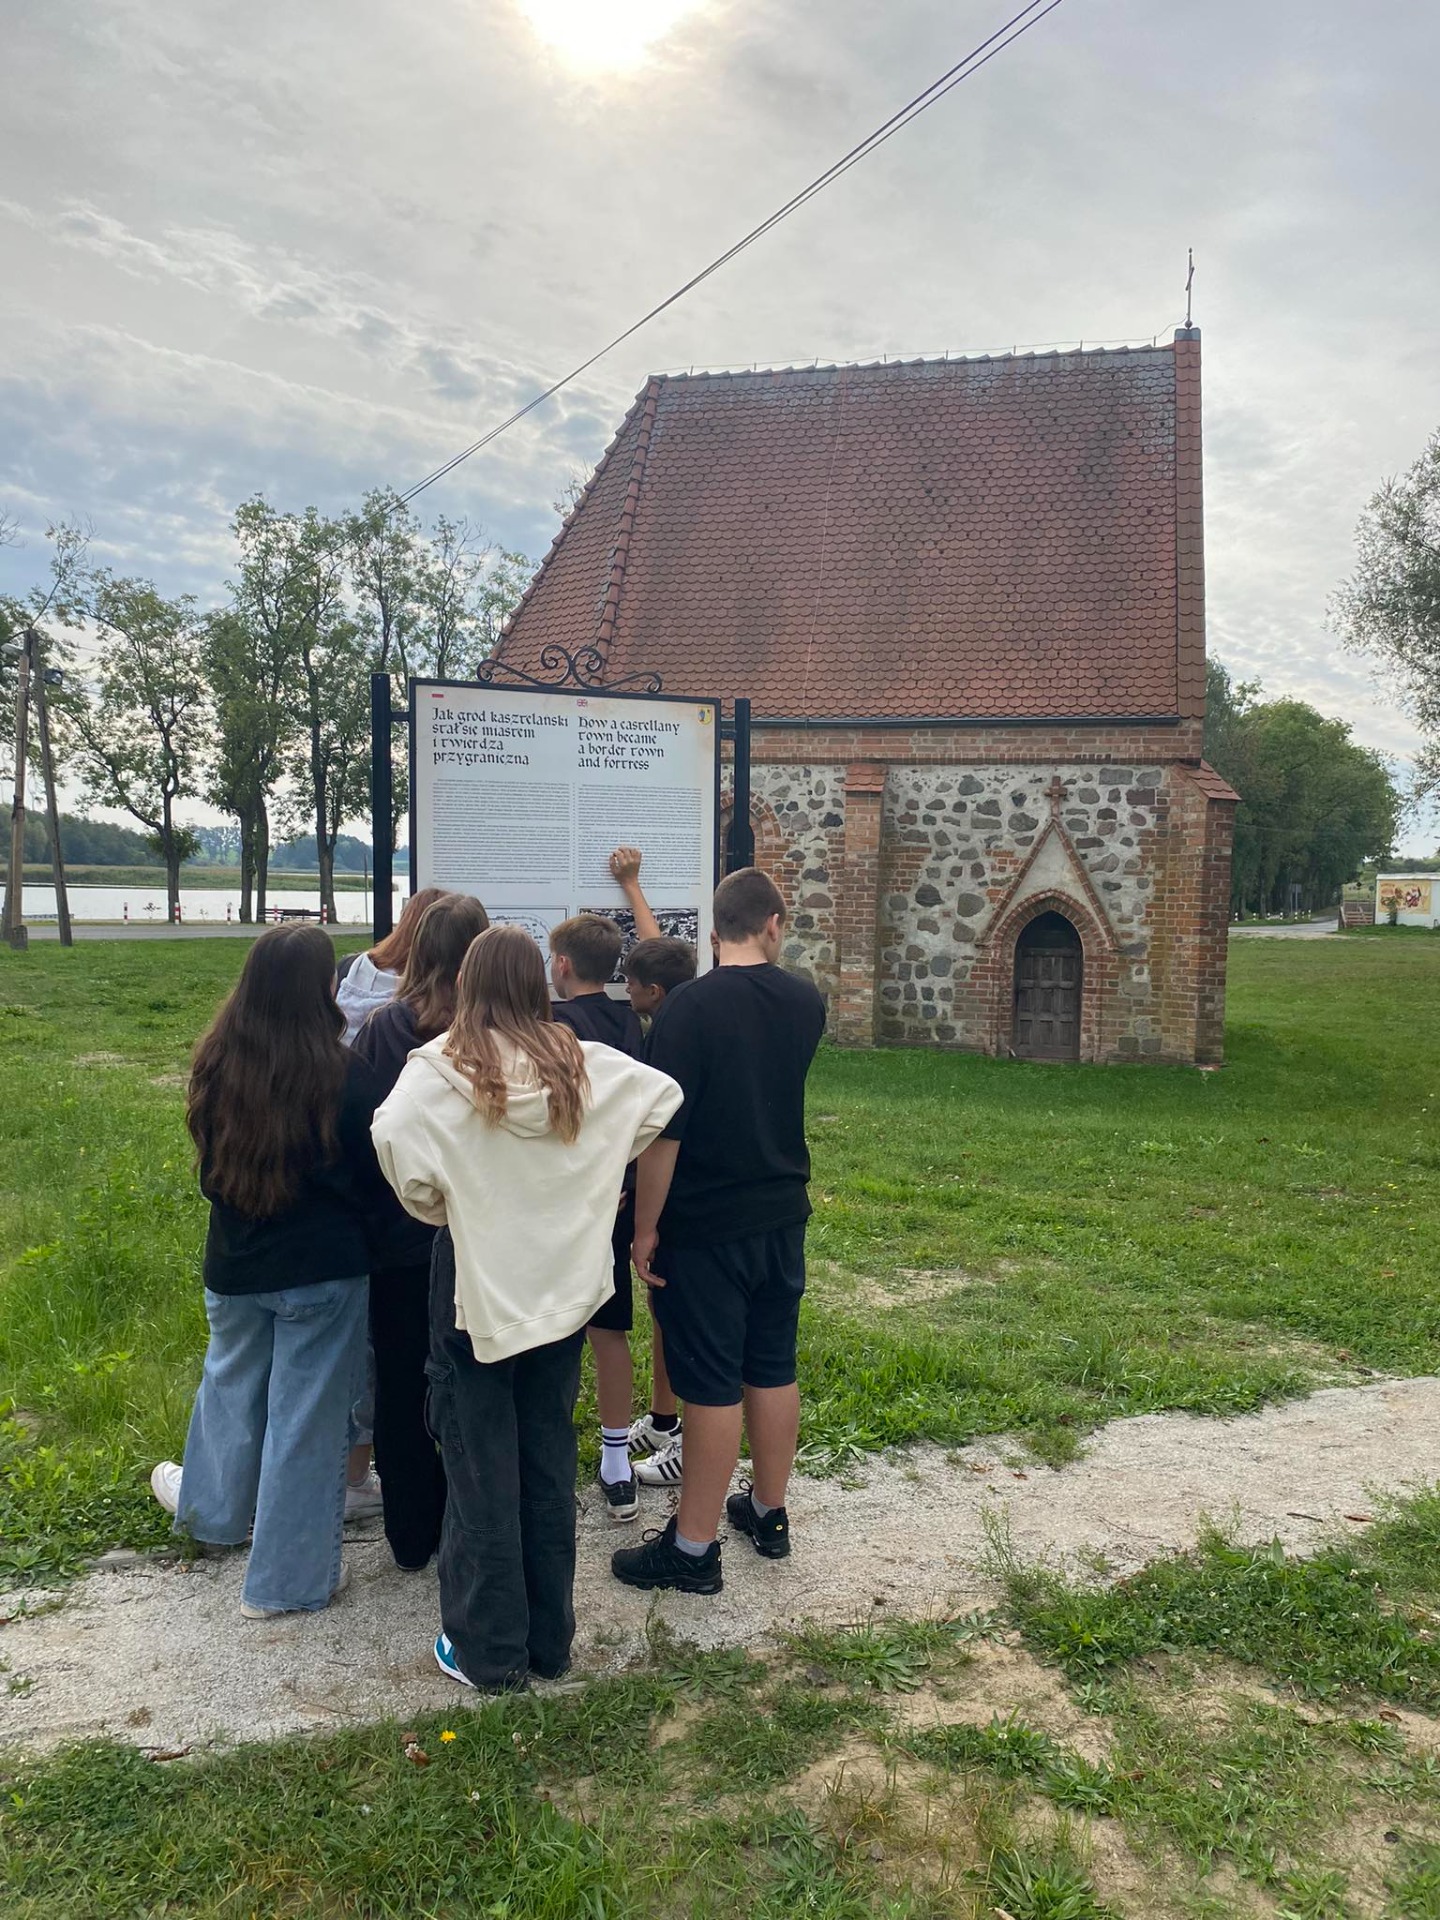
(157,1653)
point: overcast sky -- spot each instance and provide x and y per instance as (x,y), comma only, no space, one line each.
(311,249)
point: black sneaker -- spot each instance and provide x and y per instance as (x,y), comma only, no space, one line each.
(770,1535)
(622,1497)
(660,1563)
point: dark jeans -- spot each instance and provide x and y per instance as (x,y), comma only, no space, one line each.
(507,1549)
(412,1477)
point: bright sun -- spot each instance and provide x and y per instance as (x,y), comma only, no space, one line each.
(604,33)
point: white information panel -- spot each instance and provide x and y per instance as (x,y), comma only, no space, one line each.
(519,797)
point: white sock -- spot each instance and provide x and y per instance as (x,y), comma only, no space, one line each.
(615,1457)
(697,1549)
(759,1505)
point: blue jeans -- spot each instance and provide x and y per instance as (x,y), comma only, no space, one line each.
(269,1433)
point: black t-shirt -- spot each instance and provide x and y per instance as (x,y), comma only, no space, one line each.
(740,1041)
(325,1233)
(595,1016)
(385,1042)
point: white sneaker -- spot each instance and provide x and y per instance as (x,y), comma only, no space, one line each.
(363,1499)
(665,1468)
(646,1437)
(165,1485)
(273,1613)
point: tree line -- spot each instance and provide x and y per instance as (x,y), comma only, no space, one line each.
(87,842)
(260,705)
(1313,805)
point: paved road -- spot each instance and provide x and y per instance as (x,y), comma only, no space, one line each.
(201,930)
(1304,930)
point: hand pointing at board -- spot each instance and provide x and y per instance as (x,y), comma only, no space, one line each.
(625,868)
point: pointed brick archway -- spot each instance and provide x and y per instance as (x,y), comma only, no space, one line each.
(994,974)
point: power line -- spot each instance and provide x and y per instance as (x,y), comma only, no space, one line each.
(978,57)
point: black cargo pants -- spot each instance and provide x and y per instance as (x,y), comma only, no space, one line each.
(507,1549)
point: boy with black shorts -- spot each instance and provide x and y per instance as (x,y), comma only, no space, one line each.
(721,1206)
(584,953)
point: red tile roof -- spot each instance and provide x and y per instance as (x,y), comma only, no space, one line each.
(991,537)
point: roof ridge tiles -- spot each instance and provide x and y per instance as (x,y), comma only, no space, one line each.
(889,363)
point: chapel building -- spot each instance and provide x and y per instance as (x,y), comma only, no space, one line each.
(966,600)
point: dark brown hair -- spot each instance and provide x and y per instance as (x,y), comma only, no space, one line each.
(266,1079)
(591,944)
(392,954)
(744,901)
(660,962)
(428,983)
(503,993)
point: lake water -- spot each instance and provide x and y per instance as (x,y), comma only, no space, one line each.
(196,903)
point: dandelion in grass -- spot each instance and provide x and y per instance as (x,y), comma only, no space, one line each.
(446,1736)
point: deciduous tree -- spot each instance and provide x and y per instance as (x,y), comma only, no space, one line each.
(140,735)
(247,663)
(1389,608)
(1313,804)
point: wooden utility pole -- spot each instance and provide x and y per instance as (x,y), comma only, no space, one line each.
(52,677)
(14,922)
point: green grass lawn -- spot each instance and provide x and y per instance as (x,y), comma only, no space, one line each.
(996,1246)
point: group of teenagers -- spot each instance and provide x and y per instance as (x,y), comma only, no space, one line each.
(429,1179)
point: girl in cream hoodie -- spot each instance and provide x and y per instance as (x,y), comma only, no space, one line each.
(512,1136)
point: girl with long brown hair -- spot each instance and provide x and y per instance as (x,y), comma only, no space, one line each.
(280,1115)
(412,1479)
(512,1135)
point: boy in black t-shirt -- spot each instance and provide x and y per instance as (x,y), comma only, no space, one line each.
(584,953)
(654,968)
(721,1206)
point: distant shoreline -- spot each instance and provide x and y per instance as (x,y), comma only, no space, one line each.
(278,880)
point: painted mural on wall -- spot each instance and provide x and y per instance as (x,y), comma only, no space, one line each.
(1405,896)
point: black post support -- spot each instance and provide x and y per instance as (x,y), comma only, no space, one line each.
(740,845)
(382,824)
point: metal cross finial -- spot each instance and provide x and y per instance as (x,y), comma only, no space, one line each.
(1189,283)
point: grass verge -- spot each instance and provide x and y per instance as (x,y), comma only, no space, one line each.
(862,1774)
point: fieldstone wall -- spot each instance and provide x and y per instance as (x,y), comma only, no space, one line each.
(955,839)
(798,814)
(910,880)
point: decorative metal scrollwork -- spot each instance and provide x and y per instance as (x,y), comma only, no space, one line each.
(559,669)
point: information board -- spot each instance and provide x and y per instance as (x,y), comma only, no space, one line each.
(519,796)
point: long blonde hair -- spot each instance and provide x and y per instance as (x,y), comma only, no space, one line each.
(503,993)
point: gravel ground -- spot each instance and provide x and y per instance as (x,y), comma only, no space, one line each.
(157,1653)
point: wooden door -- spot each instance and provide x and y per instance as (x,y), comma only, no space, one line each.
(1048,981)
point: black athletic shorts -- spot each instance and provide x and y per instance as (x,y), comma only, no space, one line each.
(729,1314)
(618,1311)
